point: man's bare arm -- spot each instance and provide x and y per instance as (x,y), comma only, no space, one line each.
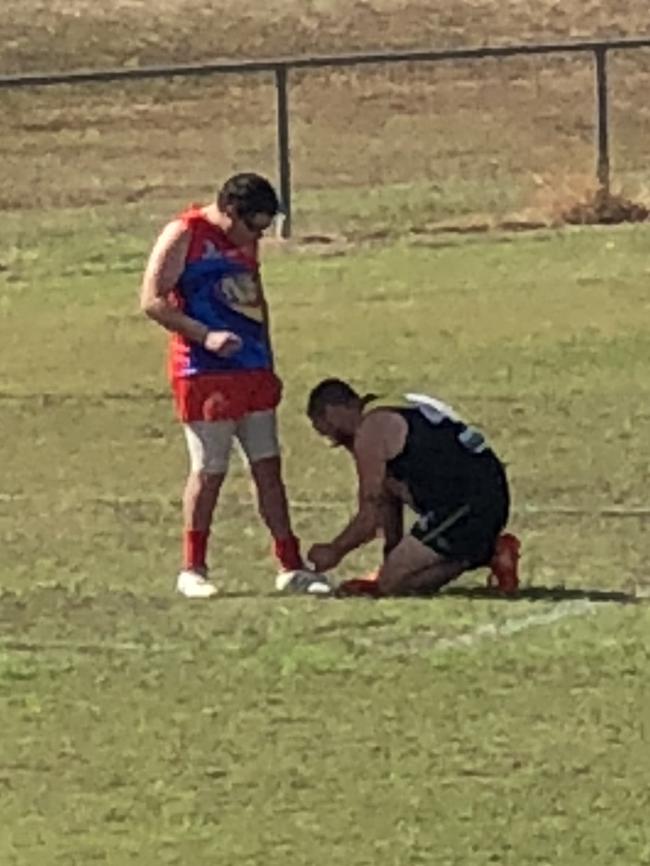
(370,457)
(163,270)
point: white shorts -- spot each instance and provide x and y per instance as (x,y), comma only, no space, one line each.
(210,442)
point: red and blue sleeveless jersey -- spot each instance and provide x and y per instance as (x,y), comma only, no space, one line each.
(219,287)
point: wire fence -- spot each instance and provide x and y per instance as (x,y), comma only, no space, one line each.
(371,121)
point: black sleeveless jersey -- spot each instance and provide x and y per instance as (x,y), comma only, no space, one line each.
(445,463)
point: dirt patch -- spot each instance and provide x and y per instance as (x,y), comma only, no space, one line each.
(604,207)
(580,200)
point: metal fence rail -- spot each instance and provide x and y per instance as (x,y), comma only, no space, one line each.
(281,66)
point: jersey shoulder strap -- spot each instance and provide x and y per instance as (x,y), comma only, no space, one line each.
(433,409)
(386,402)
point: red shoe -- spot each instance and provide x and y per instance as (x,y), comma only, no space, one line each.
(359,586)
(504,564)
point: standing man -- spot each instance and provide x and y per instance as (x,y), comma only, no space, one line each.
(202,283)
(421,455)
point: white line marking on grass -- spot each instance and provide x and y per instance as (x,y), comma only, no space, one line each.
(464,640)
(575,510)
(513,626)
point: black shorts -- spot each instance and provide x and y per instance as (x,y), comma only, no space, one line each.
(467,532)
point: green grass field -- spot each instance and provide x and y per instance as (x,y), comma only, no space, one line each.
(259,730)
(138,728)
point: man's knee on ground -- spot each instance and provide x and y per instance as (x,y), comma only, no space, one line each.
(406,560)
(414,567)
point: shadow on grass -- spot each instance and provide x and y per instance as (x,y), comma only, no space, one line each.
(543,593)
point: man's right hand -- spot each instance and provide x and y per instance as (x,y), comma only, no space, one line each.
(222,343)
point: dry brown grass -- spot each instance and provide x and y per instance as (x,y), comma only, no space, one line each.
(445,141)
(40,34)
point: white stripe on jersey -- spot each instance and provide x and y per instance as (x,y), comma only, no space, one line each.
(435,411)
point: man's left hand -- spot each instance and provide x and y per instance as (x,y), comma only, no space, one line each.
(323,557)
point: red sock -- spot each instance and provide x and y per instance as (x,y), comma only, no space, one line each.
(287,553)
(195,543)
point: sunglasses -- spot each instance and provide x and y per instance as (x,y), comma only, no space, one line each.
(257,222)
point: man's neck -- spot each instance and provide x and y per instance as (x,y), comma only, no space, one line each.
(222,221)
(213,215)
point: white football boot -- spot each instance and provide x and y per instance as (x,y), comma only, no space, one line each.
(303,581)
(193,584)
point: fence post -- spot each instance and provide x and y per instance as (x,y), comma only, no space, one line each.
(283,147)
(602,119)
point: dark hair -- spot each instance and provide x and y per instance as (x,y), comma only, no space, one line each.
(250,193)
(334,392)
